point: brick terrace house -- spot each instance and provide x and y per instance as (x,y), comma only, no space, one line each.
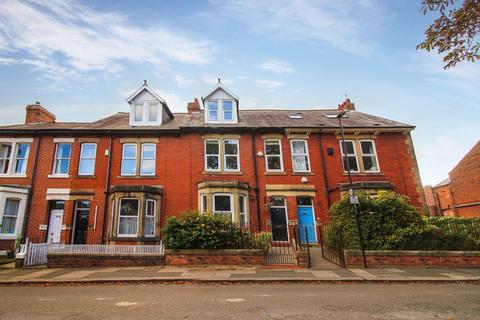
(459,194)
(116,180)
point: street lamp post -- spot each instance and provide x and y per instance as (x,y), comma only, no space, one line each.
(351,191)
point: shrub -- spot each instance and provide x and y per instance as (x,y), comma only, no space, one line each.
(205,231)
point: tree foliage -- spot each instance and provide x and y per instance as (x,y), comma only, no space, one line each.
(455,34)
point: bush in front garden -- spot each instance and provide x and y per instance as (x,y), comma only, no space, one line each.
(390,222)
(194,230)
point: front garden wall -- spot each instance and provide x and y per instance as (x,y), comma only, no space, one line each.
(61,260)
(184,257)
(458,259)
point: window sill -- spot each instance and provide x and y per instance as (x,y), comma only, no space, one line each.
(364,173)
(86,176)
(8,236)
(303,174)
(273,173)
(13,175)
(235,173)
(59,176)
(137,177)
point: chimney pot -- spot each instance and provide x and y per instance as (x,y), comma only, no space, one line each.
(193,107)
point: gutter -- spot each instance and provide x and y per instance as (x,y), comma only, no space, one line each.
(324,170)
(255,170)
(107,189)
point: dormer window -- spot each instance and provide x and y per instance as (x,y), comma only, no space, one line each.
(221,106)
(147,108)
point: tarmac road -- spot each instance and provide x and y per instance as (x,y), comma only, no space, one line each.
(252,301)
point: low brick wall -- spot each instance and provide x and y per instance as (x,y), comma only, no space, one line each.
(459,259)
(62,260)
(214,257)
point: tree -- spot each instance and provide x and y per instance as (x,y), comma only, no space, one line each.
(455,33)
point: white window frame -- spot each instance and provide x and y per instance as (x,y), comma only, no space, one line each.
(15,159)
(12,160)
(219,155)
(225,155)
(150,216)
(233,110)
(16,216)
(218,119)
(369,155)
(127,235)
(16,194)
(154,158)
(266,155)
(305,154)
(129,158)
(349,155)
(85,158)
(8,158)
(56,159)
(150,107)
(221,111)
(142,107)
(203,203)
(230,195)
(242,198)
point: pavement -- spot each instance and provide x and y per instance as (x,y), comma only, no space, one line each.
(224,274)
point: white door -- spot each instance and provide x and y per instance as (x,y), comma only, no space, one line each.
(55,226)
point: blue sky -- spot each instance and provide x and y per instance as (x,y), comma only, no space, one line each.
(81,59)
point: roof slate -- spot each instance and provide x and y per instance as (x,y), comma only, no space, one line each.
(263,118)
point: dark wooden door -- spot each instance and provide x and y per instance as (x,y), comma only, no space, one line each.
(279,224)
(81,228)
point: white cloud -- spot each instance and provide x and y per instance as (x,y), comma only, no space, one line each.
(66,39)
(276,66)
(182,81)
(268,84)
(344,24)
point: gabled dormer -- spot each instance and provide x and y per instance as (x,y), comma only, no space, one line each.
(147,108)
(220,105)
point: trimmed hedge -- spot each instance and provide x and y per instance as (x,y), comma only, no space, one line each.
(390,222)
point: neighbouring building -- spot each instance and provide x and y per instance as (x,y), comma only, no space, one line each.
(458,195)
(116,180)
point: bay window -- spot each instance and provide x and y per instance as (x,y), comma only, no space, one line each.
(273,155)
(300,158)
(203,203)
(62,158)
(149,228)
(128,217)
(242,208)
(222,205)
(10,216)
(88,154)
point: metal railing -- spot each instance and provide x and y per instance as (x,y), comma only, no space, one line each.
(331,242)
(107,249)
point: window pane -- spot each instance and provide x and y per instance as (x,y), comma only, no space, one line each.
(352,161)
(128,226)
(88,150)
(150,208)
(227,115)
(212,110)
(212,147)
(22,150)
(241,203)
(20,166)
(129,151)
(138,113)
(148,151)
(212,162)
(222,203)
(86,166)
(231,163)
(129,207)
(62,166)
(10,216)
(149,226)
(212,105)
(300,163)
(204,203)
(5,151)
(213,115)
(272,148)
(83,204)
(129,166)
(349,147)
(304,201)
(299,147)
(273,163)
(231,147)
(227,105)
(63,150)
(277,201)
(367,147)
(369,163)
(147,167)
(153,112)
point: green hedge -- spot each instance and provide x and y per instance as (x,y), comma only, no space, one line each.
(205,231)
(390,222)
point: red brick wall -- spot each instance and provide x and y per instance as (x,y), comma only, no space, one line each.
(88,261)
(214,257)
(465,184)
(445,200)
(415,259)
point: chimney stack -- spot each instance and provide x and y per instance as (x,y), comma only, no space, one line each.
(38,114)
(193,107)
(346,105)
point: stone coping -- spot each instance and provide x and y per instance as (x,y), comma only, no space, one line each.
(214,251)
(412,253)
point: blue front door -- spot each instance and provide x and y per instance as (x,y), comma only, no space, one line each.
(306,224)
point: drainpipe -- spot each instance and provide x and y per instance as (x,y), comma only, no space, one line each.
(324,169)
(255,171)
(107,188)
(30,194)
